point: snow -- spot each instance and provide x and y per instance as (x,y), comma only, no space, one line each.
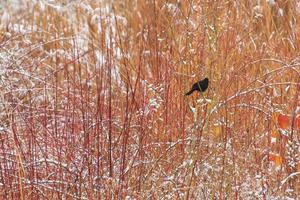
(55,128)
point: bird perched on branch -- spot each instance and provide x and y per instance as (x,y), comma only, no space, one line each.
(200,86)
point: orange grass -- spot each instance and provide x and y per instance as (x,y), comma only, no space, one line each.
(93,106)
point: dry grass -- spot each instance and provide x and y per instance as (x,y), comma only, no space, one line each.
(92,103)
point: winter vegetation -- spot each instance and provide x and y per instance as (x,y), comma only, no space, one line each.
(93,106)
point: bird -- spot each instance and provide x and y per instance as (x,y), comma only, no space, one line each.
(200,86)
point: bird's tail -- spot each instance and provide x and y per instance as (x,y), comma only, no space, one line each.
(190,92)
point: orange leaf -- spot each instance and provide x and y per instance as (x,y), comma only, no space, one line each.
(283,121)
(277,159)
(297,122)
(275,134)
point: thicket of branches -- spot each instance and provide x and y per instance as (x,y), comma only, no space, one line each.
(92,100)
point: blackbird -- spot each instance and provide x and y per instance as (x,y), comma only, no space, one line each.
(200,86)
